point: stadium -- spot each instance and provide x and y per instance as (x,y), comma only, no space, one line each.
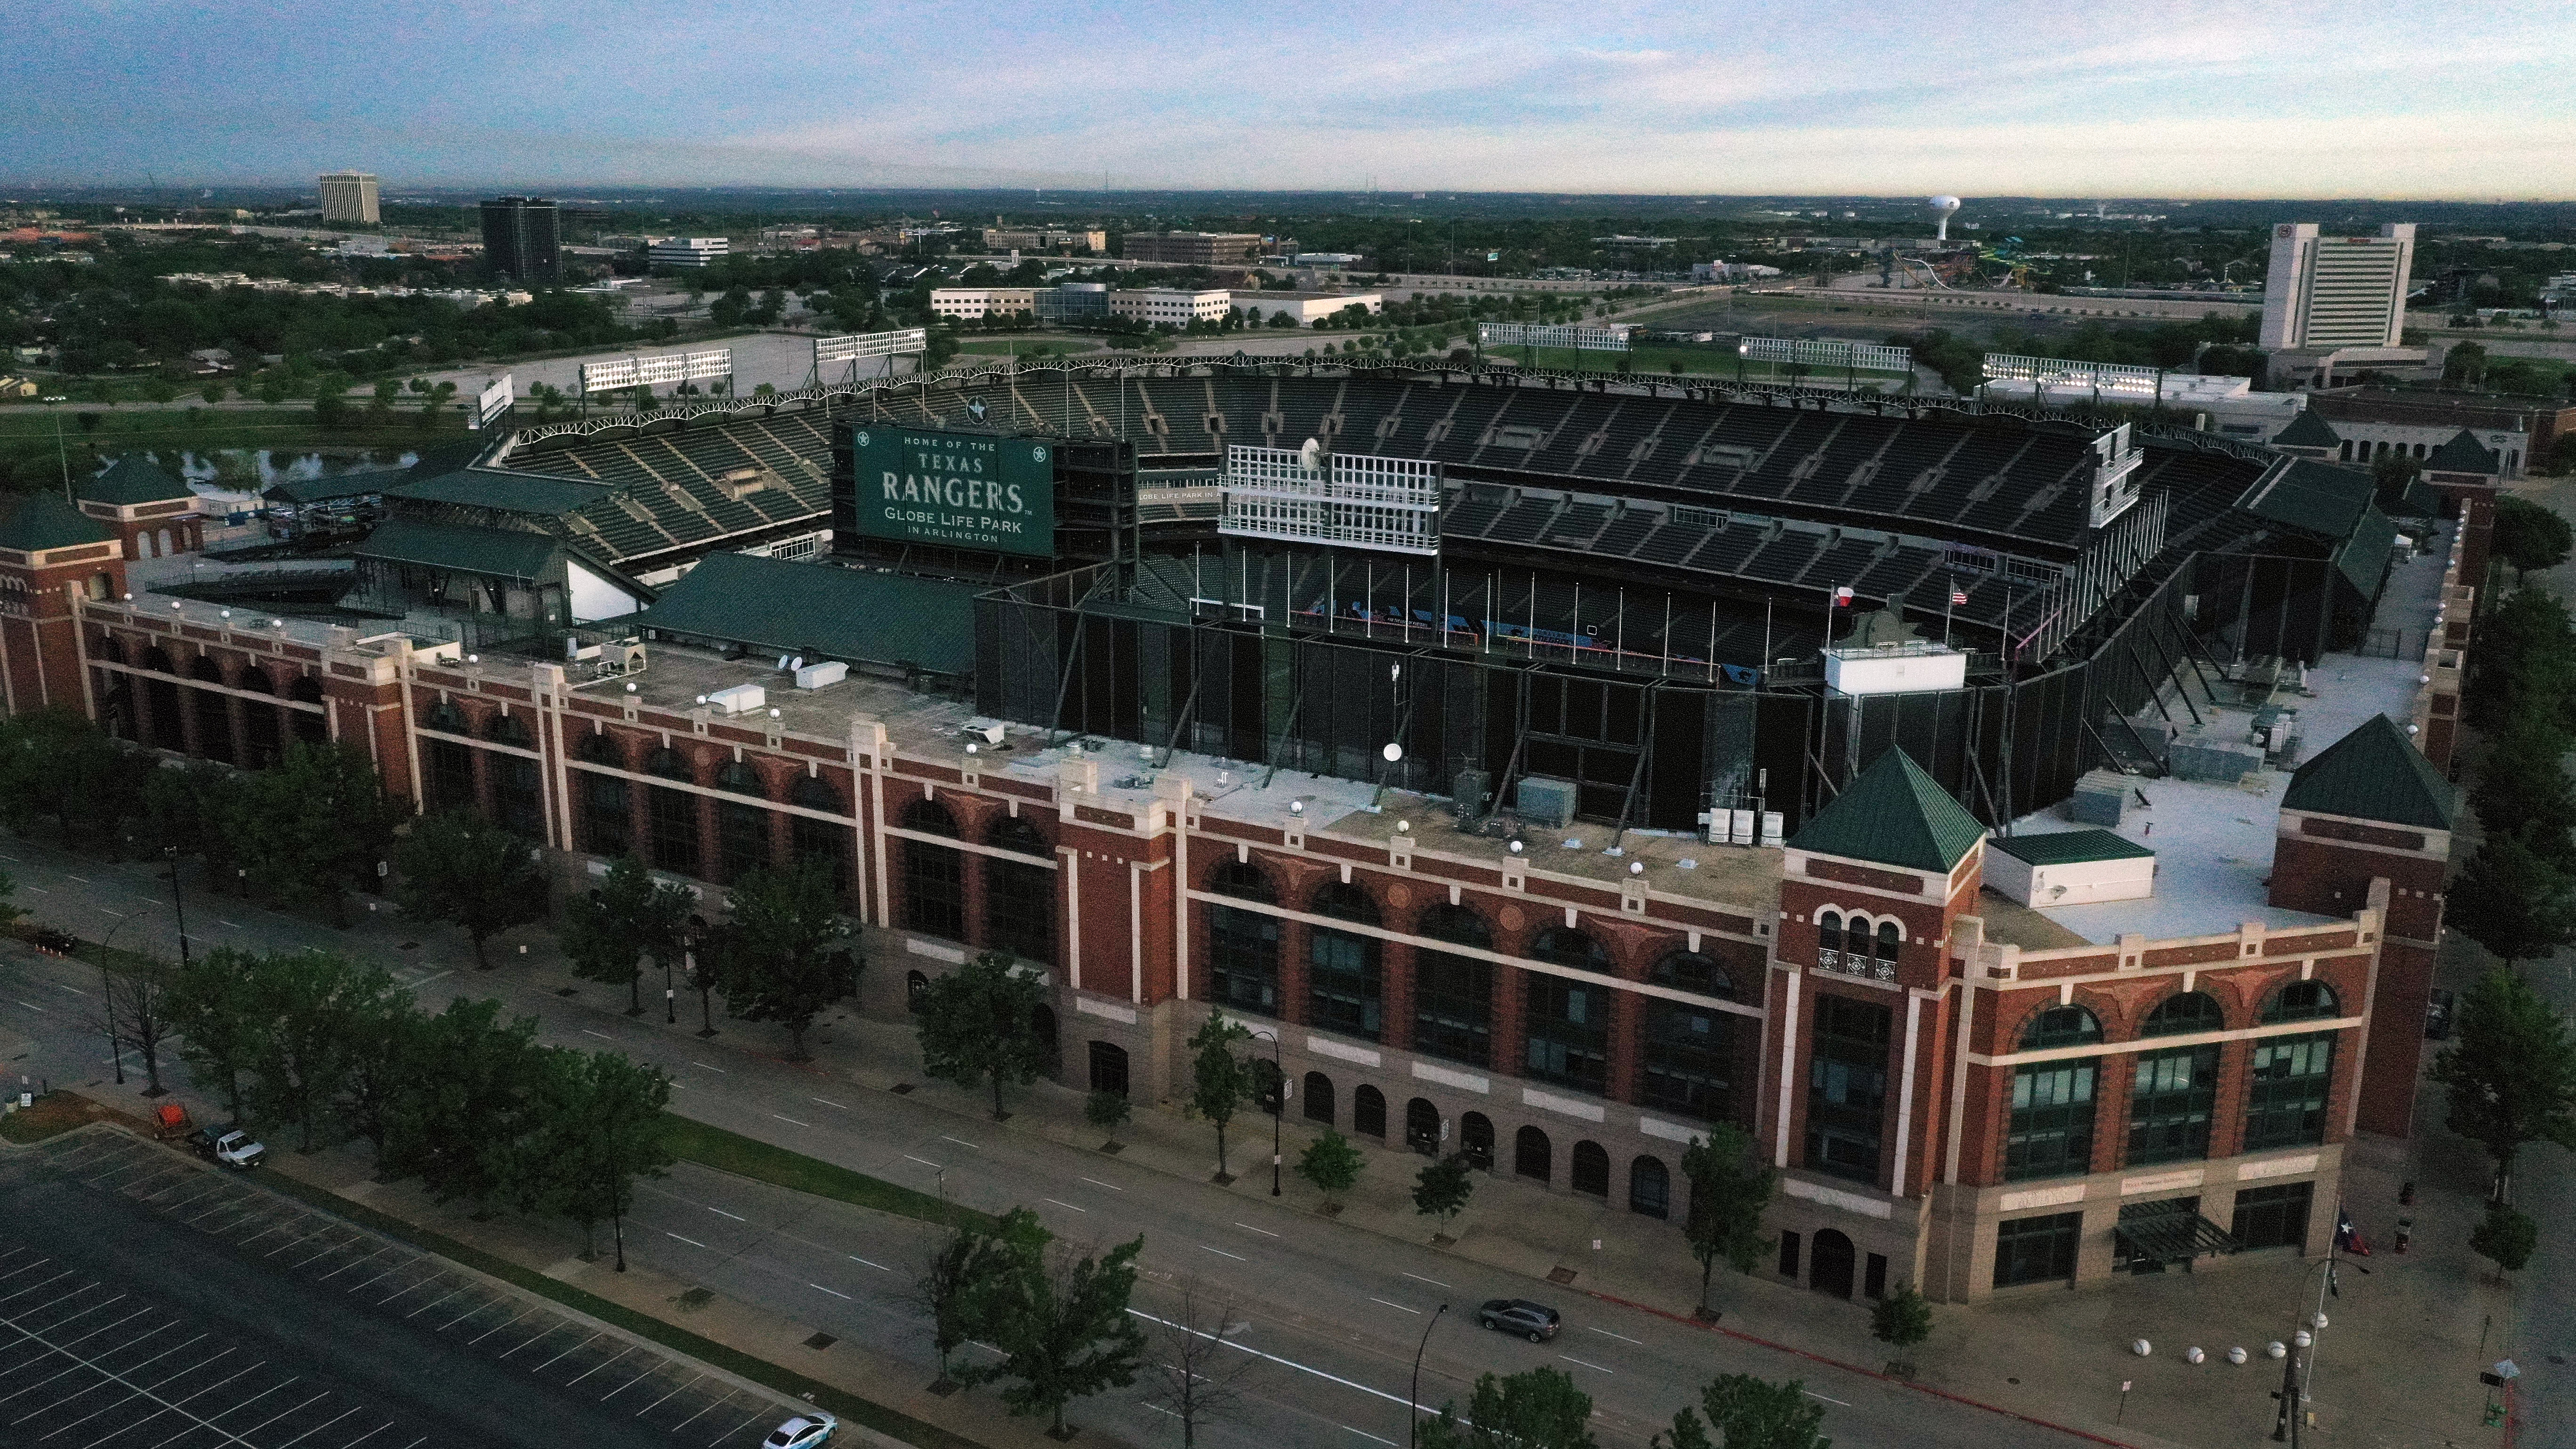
(1625,583)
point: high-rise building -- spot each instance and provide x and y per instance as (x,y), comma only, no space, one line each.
(522,238)
(350,196)
(1193,248)
(2336,291)
(689,253)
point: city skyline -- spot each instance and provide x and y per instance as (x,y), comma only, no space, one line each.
(2189,102)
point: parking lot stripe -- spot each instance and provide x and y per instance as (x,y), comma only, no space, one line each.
(747,1420)
(694,1380)
(316,1429)
(603,1363)
(345,1267)
(282,1413)
(550,1363)
(693,1418)
(38,1284)
(434,1302)
(370,1434)
(496,1328)
(630,1383)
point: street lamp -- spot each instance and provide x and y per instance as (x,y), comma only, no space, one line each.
(2286,1423)
(178,903)
(107,987)
(1278,1103)
(59,452)
(1413,1401)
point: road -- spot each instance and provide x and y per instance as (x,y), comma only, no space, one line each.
(1337,1312)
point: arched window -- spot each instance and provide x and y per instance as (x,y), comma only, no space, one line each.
(2185,1011)
(934,876)
(1591,1169)
(1453,996)
(1319,1098)
(1343,976)
(1692,971)
(1019,895)
(1688,1058)
(1421,1125)
(1109,1068)
(1829,939)
(607,824)
(263,735)
(673,814)
(2308,1000)
(1243,956)
(1531,1154)
(1043,1019)
(1368,1112)
(819,842)
(742,828)
(518,782)
(1650,1188)
(1566,946)
(1566,1027)
(1888,937)
(2060,1026)
(214,713)
(1476,1139)
(310,727)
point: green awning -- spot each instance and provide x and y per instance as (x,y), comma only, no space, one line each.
(2170,1233)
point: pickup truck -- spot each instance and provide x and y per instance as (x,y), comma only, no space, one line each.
(228,1146)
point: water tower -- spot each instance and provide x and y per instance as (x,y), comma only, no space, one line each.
(1943,207)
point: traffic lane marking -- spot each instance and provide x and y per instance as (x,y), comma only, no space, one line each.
(1095,1182)
(1605,1333)
(1596,1368)
(1418,1278)
(1398,1307)
(1222,1253)
(1060,1202)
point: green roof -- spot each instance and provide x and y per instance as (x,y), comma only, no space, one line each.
(2323,499)
(135,479)
(2065,847)
(1893,814)
(507,553)
(822,611)
(2374,773)
(2463,454)
(46,521)
(501,490)
(2365,557)
(347,485)
(2307,430)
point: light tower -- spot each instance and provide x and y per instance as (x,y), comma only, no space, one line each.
(1943,207)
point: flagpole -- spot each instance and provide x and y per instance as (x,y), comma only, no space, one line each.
(1951,602)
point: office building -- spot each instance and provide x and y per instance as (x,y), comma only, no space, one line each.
(688,253)
(1304,308)
(2327,292)
(1172,306)
(1040,239)
(1193,248)
(350,196)
(522,238)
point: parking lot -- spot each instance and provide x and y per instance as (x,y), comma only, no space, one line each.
(149,1301)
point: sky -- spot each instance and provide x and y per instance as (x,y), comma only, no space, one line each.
(2384,98)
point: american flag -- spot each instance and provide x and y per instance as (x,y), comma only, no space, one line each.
(1958,595)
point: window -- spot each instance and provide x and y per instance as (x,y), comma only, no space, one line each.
(1788,1255)
(819,842)
(1873,1278)
(1343,980)
(313,727)
(1591,1169)
(608,827)
(2285,1102)
(451,772)
(214,713)
(1565,946)
(1650,1188)
(1453,996)
(2170,1103)
(742,830)
(2061,1026)
(934,876)
(2186,1011)
(1108,1068)
(262,739)
(1043,1018)
(1476,1139)
(522,792)
(1019,895)
(2037,1250)
(1568,1032)
(1687,1058)
(1691,971)
(1243,956)
(2274,1217)
(1319,1098)
(1421,1125)
(1847,1087)
(672,814)
(1531,1154)
(1829,940)
(1368,1112)
(2052,1121)
(2301,1001)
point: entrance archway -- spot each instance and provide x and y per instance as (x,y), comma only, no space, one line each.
(1831,1270)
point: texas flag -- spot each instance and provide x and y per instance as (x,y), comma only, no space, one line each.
(1843,596)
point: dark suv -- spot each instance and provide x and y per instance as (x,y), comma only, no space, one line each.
(1534,1321)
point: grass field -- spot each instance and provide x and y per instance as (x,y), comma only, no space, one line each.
(1701,361)
(1052,347)
(745,1157)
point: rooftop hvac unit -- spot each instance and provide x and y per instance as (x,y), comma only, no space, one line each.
(1547,802)
(739,699)
(815,676)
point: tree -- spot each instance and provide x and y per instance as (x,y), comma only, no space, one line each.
(1728,1190)
(138,1004)
(1538,1409)
(1220,1081)
(1746,1412)
(1194,1375)
(978,1025)
(459,1130)
(2505,1237)
(1333,1165)
(385,1064)
(2511,1074)
(1062,1324)
(1901,1320)
(2530,536)
(2514,901)
(215,1010)
(1108,1111)
(610,930)
(1442,1189)
(954,1284)
(600,1126)
(2523,791)
(316,1006)
(457,866)
(781,964)
(312,827)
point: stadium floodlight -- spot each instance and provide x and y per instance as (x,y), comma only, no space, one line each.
(1827,352)
(609,376)
(1358,501)
(1530,334)
(2110,379)
(855,346)
(661,367)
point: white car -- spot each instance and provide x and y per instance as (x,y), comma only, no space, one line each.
(805,1431)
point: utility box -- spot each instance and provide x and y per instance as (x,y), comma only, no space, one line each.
(2198,756)
(1547,802)
(1908,668)
(2099,798)
(2070,868)
(815,676)
(1470,791)
(739,699)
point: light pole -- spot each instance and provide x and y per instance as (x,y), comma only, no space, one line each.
(178,903)
(2286,1423)
(1278,1103)
(60,453)
(1413,1401)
